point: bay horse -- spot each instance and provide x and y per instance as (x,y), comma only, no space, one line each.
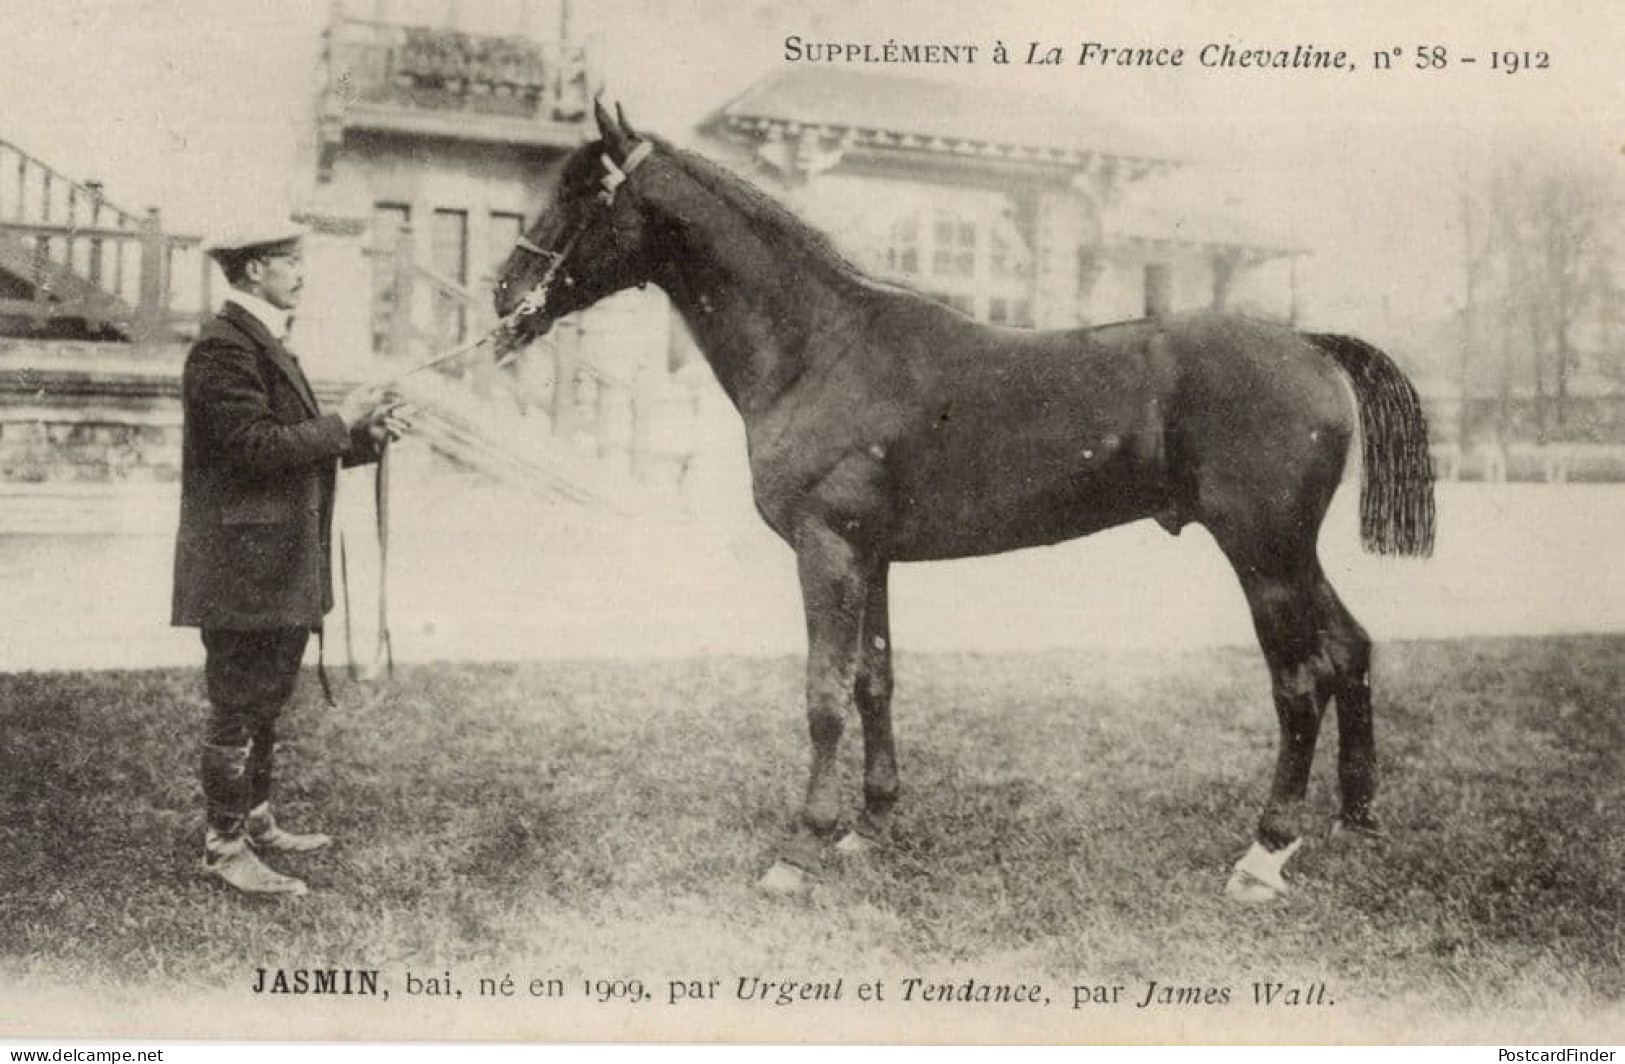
(884,427)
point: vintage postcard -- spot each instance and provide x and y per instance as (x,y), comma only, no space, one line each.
(535,520)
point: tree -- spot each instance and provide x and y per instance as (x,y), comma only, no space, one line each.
(1568,213)
(1540,262)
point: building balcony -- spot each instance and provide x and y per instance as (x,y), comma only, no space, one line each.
(439,82)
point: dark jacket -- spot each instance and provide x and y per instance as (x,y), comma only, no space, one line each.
(258,462)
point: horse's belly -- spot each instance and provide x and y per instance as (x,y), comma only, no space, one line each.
(967,524)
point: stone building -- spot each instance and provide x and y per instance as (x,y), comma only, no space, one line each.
(1015,212)
(439,126)
(436,128)
(433,137)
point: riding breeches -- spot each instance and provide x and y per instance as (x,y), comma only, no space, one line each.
(249,676)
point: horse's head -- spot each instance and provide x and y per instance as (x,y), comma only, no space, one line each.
(590,241)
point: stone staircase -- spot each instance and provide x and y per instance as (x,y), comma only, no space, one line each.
(514,451)
(90,430)
(583,435)
(75,265)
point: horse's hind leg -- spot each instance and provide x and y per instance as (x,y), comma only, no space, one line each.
(1348,648)
(873,695)
(1282,600)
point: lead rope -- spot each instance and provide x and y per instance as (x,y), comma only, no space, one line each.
(614,177)
(321,668)
(386,648)
(533,301)
(344,586)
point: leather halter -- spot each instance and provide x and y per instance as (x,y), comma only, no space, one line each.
(609,185)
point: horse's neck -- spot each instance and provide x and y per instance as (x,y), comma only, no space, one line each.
(752,308)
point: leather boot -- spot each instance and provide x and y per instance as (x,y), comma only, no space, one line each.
(225,850)
(225,788)
(261,766)
(232,860)
(265,834)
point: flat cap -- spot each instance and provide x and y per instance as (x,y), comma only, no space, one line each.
(264,239)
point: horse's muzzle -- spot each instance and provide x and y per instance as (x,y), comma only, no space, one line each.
(519,331)
(503,299)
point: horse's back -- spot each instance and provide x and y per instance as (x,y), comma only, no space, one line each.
(1228,377)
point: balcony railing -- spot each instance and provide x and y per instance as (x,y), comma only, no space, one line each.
(450,83)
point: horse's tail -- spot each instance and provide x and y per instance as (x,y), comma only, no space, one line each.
(1396,479)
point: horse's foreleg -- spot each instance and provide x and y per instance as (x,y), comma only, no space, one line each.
(834,589)
(873,694)
(1285,617)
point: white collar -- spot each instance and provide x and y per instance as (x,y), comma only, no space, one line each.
(275,319)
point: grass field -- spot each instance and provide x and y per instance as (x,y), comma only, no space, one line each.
(1068,819)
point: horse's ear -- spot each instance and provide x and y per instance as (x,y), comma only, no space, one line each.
(626,127)
(615,138)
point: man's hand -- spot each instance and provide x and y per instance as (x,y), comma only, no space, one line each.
(363,406)
(395,422)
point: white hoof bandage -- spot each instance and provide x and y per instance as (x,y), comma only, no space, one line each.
(784,879)
(1257,876)
(854,844)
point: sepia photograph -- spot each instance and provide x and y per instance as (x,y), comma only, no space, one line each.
(548,521)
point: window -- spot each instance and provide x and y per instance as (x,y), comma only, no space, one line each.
(1001,311)
(953,252)
(389,222)
(448,257)
(1158,288)
(903,254)
(973,258)
(504,231)
(998,258)
(448,250)
(391,233)
(1008,257)
(961,303)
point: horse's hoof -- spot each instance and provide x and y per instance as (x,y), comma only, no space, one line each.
(784,880)
(1249,889)
(856,844)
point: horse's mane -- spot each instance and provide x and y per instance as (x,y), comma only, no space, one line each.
(769,218)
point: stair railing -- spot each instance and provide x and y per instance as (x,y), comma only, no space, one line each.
(88,258)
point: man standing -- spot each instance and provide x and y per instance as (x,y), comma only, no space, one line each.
(253,554)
